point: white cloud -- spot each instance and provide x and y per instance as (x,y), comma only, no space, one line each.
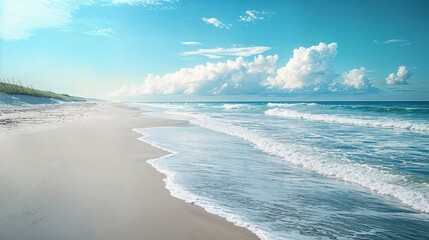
(191,43)
(253,15)
(235,51)
(106,32)
(400,42)
(216,22)
(18,19)
(230,77)
(401,76)
(356,79)
(308,68)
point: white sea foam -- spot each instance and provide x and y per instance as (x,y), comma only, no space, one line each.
(349,120)
(289,104)
(178,191)
(235,106)
(415,195)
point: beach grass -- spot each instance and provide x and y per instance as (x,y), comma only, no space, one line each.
(11,87)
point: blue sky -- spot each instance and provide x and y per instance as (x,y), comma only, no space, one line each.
(219,50)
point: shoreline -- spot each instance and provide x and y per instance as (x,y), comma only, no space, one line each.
(92,175)
(178,192)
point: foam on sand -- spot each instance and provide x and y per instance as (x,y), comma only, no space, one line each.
(180,192)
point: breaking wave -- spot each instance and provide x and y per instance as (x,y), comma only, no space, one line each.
(398,124)
(401,187)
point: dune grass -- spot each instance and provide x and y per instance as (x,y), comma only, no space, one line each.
(11,87)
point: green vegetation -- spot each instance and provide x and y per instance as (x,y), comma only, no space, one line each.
(11,87)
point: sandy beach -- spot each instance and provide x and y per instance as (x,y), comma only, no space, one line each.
(81,173)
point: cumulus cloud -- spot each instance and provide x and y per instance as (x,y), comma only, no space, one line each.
(235,51)
(191,43)
(230,77)
(400,42)
(401,76)
(356,79)
(308,68)
(253,15)
(216,22)
(106,32)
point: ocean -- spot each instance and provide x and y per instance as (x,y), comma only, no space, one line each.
(301,170)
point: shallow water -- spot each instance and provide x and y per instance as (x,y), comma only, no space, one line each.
(336,170)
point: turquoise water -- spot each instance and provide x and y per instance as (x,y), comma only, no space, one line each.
(321,170)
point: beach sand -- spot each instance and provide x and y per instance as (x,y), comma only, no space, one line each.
(86,177)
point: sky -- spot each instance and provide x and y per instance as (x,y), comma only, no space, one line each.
(193,50)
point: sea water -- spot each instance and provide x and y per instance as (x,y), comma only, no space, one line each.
(302,170)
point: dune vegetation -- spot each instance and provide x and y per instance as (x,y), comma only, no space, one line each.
(11,87)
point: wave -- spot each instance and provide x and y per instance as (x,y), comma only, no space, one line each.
(375,108)
(180,192)
(414,195)
(342,119)
(236,106)
(289,104)
(384,109)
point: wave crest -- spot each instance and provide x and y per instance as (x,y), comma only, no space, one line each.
(347,120)
(415,195)
(235,106)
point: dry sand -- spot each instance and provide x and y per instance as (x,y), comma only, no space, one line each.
(88,179)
